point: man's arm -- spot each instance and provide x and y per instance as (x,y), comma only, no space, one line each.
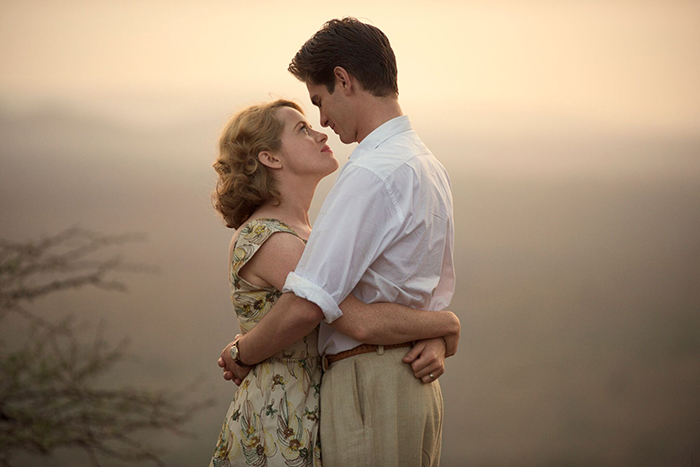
(292,318)
(289,320)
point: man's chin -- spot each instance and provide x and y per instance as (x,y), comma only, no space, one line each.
(345,139)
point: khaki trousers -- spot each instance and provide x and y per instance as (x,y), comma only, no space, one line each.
(375,413)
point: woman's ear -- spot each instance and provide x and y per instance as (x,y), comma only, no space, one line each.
(268,159)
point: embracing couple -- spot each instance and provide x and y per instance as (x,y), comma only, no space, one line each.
(342,334)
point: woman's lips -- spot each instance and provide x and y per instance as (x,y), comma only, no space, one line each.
(326,148)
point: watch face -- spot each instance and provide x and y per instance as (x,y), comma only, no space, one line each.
(234,352)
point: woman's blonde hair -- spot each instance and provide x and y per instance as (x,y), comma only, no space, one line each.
(244,183)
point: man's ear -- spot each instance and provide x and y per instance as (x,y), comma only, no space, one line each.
(268,159)
(344,80)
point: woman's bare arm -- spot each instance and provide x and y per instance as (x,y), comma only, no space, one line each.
(389,323)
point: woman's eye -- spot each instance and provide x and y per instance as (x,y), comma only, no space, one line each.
(305,129)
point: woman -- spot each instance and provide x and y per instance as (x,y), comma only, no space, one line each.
(269,165)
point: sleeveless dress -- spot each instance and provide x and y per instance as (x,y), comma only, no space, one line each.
(273,419)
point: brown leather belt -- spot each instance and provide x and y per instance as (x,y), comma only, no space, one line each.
(360,349)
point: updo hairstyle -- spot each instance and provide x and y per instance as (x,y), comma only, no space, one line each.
(244,184)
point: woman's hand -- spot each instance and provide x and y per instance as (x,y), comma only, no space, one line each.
(232,371)
(452,339)
(427,359)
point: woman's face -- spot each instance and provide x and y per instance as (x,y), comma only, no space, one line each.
(304,151)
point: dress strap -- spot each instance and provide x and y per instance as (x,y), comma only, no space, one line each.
(252,236)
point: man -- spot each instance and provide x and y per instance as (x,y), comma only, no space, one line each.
(384,234)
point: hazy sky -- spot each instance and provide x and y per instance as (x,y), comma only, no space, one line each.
(622,64)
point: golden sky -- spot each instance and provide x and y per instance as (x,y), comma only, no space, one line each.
(627,64)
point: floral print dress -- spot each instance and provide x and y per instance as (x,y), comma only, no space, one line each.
(273,419)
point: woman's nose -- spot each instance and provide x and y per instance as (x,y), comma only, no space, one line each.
(322,137)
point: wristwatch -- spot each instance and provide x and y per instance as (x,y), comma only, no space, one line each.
(236,354)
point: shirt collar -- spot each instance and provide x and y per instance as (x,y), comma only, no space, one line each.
(380,134)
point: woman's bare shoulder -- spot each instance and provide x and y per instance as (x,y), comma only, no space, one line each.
(275,258)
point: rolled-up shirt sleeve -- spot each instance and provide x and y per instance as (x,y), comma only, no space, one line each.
(358,220)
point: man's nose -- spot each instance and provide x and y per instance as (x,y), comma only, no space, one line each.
(324,120)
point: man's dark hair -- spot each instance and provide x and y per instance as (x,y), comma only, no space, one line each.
(362,49)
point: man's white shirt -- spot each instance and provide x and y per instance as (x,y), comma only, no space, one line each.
(385,232)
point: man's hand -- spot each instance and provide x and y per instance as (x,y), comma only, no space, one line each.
(427,358)
(232,371)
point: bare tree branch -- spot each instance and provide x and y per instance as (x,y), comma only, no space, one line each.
(50,392)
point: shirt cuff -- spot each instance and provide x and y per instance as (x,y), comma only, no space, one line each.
(306,289)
